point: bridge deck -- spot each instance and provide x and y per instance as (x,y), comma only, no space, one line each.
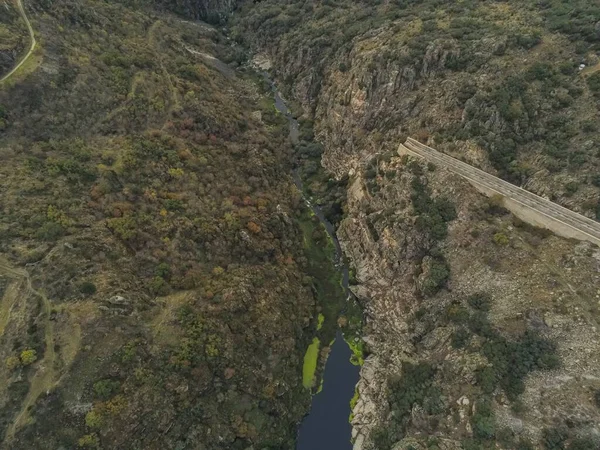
(588,228)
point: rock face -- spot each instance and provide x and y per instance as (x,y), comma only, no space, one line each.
(212,11)
(368,79)
(404,327)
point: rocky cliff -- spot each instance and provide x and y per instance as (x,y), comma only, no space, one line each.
(481,330)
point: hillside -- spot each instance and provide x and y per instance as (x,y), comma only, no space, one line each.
(481,330)
(155,286)
(163,284)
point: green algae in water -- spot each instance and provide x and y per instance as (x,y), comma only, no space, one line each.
(310,363)
(353,402)
(320,321)
(356,346)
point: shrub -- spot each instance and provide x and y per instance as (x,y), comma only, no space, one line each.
(438,274)
(104,389)
(87,288)
(88,441)
(483,420)
(593,82)
(413,387)
(571,187)
(12,362)
(480,301)
(93,419)
(585,443)
(28,356)
(501,239)
(158,286)
(555,438)
(50,231)
(460,338)
(163,270)
(486,379)
(457,313)
(524,444)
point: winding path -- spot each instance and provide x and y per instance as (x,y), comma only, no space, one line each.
(529,207)
(44,378)
(33,42)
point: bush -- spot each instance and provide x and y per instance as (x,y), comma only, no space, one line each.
(88,441)
(585,443)
(12,362)
(415,386)
(460,338)
(593,82)
(28,356)
(525,444)
(105,389)
(483,420)
(87,288)
(480,301)
(438,274)
(501,239)
(486,379)
(457,313)
(555,438)
(94,420)
(50,231)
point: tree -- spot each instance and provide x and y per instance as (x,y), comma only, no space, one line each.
(12,362)
(28,356)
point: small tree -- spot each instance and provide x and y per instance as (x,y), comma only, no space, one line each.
(28,356)
(500,239)
(87,288)
(88,441)
(12,362)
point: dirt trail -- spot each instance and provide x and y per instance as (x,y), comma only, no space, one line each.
(45,376)
(33,42)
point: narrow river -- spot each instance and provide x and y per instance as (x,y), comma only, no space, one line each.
(327,426)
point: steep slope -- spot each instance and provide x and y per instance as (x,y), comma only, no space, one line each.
(13,38)
(155,286)
(482,331)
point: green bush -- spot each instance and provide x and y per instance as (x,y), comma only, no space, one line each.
(501,239)
(28,356)
(105,389)
(50,231)
(460,338)
(438,275)
(413,387)
(87,288)
(486,379)
(480,301)
(593,82)
(483,420)
(555,438)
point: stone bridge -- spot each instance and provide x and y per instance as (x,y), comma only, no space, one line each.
(527,206)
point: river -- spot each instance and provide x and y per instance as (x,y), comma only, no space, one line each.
(326,426)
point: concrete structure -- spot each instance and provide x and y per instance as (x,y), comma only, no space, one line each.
(527,206)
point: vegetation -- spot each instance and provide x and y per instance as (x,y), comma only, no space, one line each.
(167,234)
(510,361)
(510,109)
(310,363)
(28,356)
(413,387)
(433,216)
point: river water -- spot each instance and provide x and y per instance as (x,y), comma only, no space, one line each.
(326,426)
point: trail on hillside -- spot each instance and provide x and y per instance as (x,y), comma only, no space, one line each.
(33,42)
(44,377)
